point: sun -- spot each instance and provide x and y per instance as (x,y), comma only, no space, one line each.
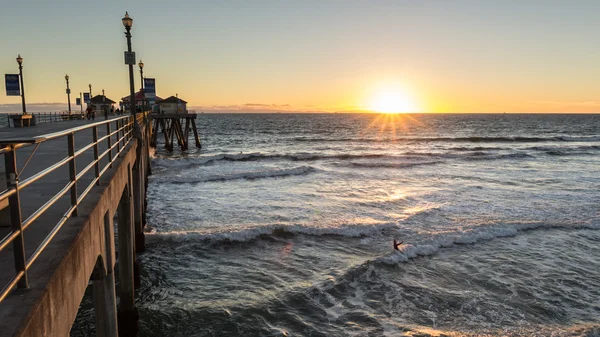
(393,102)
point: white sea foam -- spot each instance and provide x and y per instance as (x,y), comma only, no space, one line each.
(446,240)
(428,246)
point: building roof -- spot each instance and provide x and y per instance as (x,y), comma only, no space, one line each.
(139,96)
(98,99)
(172,99)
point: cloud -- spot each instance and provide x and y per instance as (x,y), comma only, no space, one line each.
(253,107)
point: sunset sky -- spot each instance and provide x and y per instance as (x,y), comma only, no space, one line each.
(325,55)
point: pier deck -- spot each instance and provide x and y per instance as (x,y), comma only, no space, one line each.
(16,310)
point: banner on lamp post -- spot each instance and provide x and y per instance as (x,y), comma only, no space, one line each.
(86,97)
(13,88)
(77,101)
(130,57)
(150,88)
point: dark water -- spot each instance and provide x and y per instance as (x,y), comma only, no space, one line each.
(283,225)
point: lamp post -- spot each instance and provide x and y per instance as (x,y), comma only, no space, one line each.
(68,93)
(104,105)
(141,65)
(20,62)
(90,85)
(127,23)
(81,102)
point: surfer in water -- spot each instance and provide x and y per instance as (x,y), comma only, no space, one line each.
(397,244)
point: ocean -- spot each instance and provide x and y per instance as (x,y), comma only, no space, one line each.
(282,225)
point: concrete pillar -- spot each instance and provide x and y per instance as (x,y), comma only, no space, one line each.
(138,189)
(147,135)
(138,202)
(145,173)
(128,315)
(103,283)
(105,305)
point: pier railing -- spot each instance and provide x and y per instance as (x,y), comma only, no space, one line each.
(117,133)
(42,117)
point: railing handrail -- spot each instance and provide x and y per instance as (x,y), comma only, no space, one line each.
(58,134)
(43,117)
(124,135)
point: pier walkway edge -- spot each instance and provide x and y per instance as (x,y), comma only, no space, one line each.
(65,183)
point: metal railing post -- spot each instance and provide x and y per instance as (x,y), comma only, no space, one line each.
(12,180)
(123,131)
(109,141)
(118,135)
(73,172)
(96,165)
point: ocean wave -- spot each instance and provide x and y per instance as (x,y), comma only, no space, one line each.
(484,233)
(252,233)
(566,153)
(475,153)
(235,176)
(486,156)
(187,161)
(477,148)
(389,165)
(472,139)
(184,162)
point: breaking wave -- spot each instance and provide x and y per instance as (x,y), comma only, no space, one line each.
(252,233)
(389,165)
(234,176)
(425,247)
(475,139)
(469,153)
(433,245)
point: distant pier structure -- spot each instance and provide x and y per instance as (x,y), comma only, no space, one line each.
(174,122)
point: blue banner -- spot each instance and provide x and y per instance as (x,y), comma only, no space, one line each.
(150,88)
(77,101)
(86,97)
(12,85)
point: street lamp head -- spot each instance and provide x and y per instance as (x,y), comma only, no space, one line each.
(67,77)
(127,21)
(90,85)
(19,59)
(141,64)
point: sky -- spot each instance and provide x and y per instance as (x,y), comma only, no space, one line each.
(323,55)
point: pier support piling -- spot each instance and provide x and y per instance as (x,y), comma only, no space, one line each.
(103,283)
(105,305)
(127,314)
(171,125)
(138,202)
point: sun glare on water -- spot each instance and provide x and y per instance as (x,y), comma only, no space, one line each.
(393,102)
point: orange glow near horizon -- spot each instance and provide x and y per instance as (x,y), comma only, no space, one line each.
(392,124)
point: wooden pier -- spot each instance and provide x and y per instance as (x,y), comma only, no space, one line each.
(170,125)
